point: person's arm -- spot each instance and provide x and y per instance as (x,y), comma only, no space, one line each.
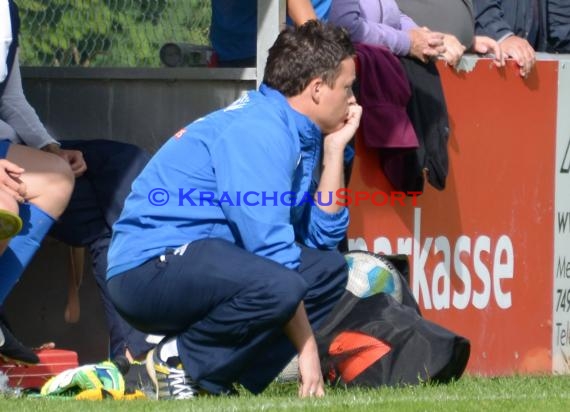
(19,115)
(325,222)
(300,11)
(350,15)
(334,144)
(486,45)
(406,22)
(73,157)
(300,333)
(490,19)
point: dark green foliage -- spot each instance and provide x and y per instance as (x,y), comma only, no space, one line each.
(107,33)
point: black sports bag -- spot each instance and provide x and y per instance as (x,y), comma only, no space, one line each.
(383,340)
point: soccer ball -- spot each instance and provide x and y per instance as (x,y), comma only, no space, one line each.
(369,274)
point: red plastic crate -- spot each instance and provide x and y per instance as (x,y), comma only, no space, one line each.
(52,362)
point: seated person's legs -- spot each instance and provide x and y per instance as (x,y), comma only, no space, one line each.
(111,168)
(95,204)
(49,182)
(48,178)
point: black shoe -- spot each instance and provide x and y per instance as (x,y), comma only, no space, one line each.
(13,349)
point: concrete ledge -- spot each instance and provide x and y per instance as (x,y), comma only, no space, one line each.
(170,74)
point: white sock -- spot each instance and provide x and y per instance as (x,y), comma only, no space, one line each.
(168,349)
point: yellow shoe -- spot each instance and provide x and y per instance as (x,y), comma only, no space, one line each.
(10,224)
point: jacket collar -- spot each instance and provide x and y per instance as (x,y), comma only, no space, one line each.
(309,132)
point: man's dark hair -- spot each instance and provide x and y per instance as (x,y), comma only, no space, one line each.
(302,54)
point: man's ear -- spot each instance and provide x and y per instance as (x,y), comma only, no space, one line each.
(315,87)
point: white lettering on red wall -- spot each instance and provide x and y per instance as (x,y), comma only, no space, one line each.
(479,264)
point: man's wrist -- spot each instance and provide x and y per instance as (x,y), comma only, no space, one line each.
(505,37)
(333,148)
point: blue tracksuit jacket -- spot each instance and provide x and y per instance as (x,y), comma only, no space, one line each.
(241,174)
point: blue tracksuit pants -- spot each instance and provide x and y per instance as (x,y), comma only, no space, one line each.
(227,307)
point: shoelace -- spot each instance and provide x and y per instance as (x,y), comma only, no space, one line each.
(180,386)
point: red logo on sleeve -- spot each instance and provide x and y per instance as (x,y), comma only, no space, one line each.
(179,133)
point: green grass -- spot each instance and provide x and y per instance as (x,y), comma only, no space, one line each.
(549,393)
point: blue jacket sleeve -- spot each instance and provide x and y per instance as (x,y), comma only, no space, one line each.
(319,229)
(489,19)
(254,161)
(323,230)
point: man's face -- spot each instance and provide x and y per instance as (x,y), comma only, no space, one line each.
(333,105)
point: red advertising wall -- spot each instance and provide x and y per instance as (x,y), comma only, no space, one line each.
(481,251)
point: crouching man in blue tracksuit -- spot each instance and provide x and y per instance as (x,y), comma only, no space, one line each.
(227,242)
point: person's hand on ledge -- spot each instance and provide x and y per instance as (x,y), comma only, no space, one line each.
(486,45)
(453,50)
(521,51)
(425,44)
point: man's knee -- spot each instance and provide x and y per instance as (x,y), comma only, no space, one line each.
(277,290)
(287,290)
(329,265)
(337,267)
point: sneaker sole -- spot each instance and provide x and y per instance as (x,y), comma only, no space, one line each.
(151,372)
(13,351)
(17,362)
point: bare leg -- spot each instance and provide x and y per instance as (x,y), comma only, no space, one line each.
(48,178)
(48,182)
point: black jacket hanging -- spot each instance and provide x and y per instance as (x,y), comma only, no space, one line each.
(405,168)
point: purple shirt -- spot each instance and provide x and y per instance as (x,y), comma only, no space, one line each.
(374,22)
